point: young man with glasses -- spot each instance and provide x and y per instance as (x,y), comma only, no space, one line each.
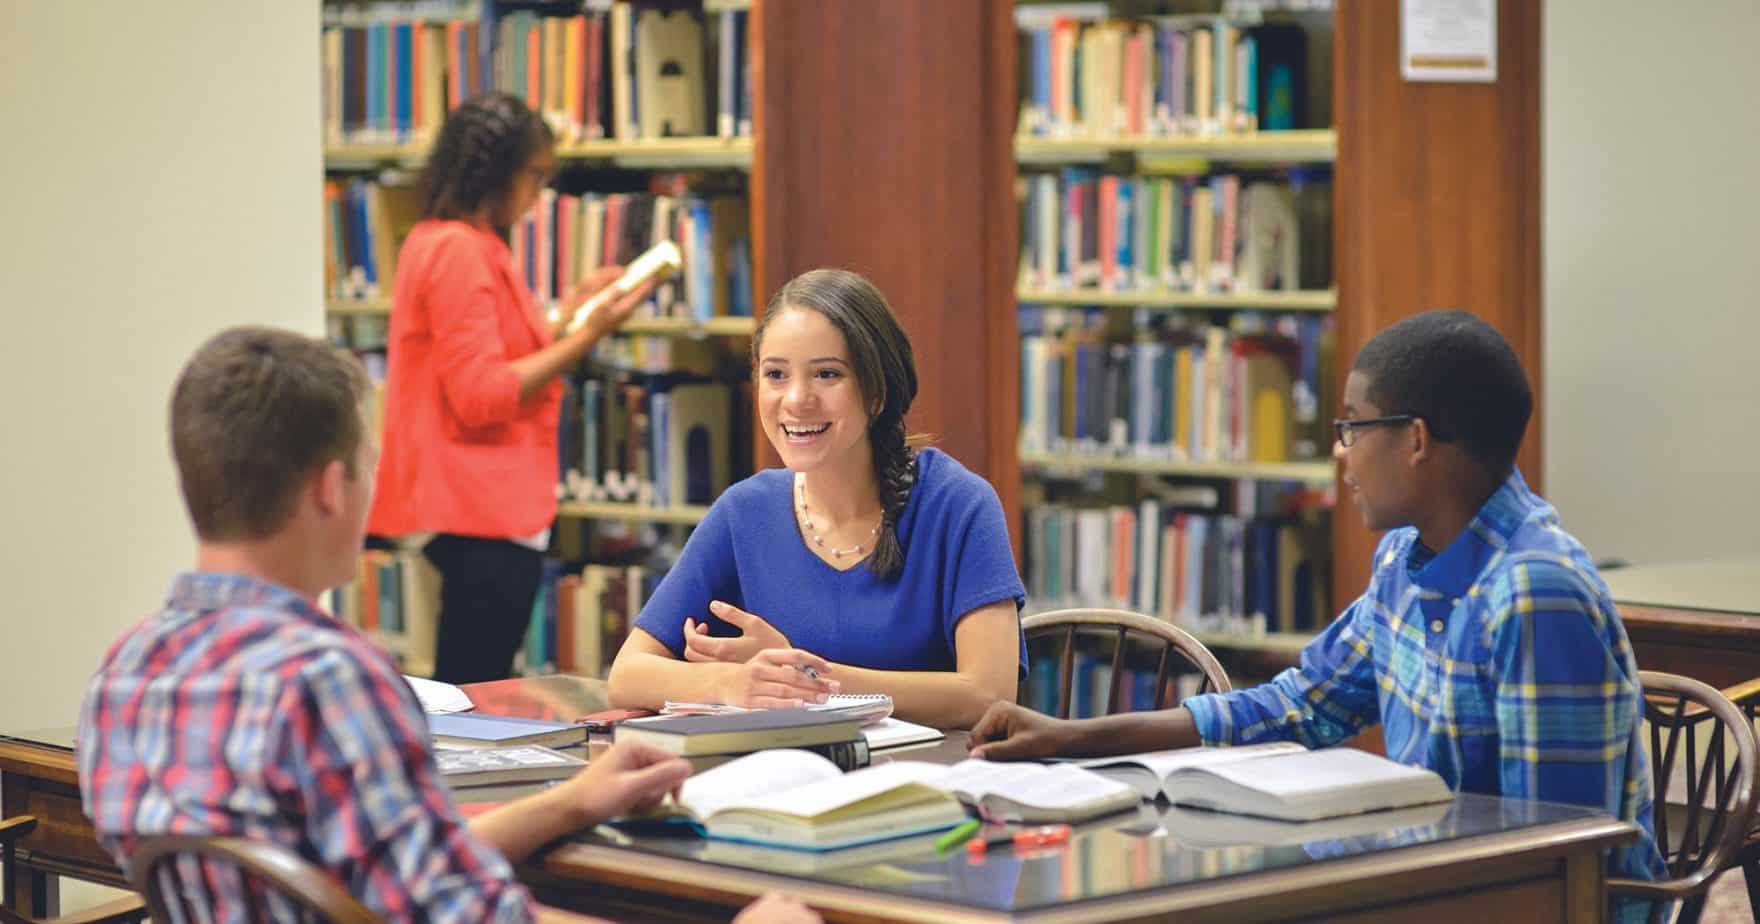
(1485,645)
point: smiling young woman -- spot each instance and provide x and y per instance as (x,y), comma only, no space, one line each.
(881,568)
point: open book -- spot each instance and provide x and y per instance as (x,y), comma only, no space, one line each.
(1146,772)
(1305,786)
(790,798)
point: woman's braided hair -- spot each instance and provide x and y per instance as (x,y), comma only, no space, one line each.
(482,145)
(886,372)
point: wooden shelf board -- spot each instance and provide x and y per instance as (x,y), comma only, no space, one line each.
(665,327)
(1318,473)
(1305,146)
(600,510)
(662,153)
(364,307)
(1319,301)
(679,327)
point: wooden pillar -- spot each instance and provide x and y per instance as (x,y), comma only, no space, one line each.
(1437,202)
(883,146)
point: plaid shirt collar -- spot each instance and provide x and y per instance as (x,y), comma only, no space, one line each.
(1451,572)
(204,591)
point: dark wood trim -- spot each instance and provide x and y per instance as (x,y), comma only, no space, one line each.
(1721,649)
(1437,205)
(884,147)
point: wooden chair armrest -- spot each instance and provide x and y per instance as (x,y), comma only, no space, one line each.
(16,827)
(129,909)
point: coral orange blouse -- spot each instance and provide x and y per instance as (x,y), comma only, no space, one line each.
(462,453)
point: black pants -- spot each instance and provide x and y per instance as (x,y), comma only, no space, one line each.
(487,587)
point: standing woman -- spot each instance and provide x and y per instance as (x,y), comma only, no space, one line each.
(861,567)
(473,397)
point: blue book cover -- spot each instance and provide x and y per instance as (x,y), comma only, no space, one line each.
(499,729)
(403,76)
(1123,232)
(358,192)
(1042,75)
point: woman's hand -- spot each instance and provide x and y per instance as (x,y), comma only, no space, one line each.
(755,635)
(778,678)
(605,318)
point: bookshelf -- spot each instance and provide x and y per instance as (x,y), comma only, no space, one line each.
(1418,223)
(546,54)
(660,327)
(651,154)
(1122,306)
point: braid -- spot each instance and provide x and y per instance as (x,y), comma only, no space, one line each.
(895,468)
(484,141)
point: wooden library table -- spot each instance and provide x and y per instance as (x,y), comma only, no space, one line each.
(1475,859)
(1698,619)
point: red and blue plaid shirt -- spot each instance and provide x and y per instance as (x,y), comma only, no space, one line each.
(240,710)
(1499,662)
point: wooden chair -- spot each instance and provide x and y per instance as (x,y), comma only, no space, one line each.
(1122,624)
(126,909)
(1703,836)
(1746,697)
(154,874)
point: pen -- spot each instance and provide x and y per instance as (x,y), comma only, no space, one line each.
(811,671)
(946,841)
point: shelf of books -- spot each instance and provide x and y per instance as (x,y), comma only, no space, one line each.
(733,153)
(1175,299)
(660,327)
(656,422)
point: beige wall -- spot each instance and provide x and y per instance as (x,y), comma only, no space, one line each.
(1651,215)
(162,180)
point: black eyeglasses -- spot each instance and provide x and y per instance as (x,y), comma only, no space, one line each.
(1347,429)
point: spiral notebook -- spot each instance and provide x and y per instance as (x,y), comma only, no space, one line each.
(871,708)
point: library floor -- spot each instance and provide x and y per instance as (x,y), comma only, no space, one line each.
(1729,901)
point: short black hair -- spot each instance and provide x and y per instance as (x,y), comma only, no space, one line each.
(1460,375)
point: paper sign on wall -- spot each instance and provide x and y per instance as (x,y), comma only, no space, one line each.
(1451,41)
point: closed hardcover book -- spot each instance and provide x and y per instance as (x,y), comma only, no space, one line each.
(475,730)
(528,763)
(742,732)
(853,754)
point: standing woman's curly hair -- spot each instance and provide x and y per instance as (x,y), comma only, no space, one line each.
(483,144)
(885,370)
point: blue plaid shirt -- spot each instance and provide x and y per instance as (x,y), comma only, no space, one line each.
(1500,663)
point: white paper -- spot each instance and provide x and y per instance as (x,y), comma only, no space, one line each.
(1450,41)
(438,698)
